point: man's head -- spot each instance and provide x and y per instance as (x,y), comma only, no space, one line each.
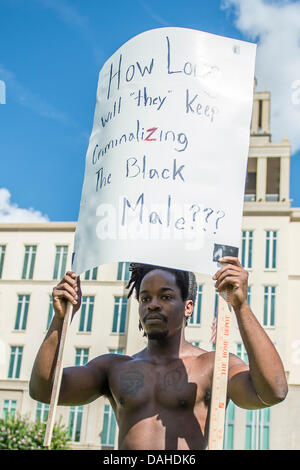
(166,297)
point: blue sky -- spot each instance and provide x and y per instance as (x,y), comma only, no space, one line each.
(51,52)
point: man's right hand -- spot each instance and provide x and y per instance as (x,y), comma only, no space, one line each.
(68,289)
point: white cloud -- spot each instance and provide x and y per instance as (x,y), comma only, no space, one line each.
(275,26)
(11,213)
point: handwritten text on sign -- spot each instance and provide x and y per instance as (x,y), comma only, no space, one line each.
(166,162)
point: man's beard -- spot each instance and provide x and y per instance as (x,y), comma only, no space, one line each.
(157,334)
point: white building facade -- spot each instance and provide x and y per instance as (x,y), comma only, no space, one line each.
(34,257)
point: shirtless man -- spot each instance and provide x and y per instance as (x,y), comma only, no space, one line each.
(161,395)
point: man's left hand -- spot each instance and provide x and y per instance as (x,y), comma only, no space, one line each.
(234,277)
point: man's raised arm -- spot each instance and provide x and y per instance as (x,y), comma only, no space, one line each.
(263,383)
(79,385)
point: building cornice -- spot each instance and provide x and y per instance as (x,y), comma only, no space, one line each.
(14,384)
(275,150)
(295,214)
(39,227)
(271,209)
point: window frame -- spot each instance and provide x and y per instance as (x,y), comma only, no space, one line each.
(60,261)
(247,249)
(195,319)
(15,362)
(22,312)
(269,310)
(86,316)
(271,248)
(29,262)
(120,316)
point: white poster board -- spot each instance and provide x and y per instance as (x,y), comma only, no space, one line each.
(166,162)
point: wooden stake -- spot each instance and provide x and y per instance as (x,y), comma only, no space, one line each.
(220,374)
(57,376)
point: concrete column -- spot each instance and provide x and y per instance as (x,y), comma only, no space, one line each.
(254,122)
(261,178)
(284,178)
(266,116)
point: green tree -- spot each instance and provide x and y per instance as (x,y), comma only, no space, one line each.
(19,433)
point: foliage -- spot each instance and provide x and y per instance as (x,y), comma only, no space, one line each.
(17,433)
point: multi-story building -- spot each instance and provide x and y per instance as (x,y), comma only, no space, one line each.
(34,257)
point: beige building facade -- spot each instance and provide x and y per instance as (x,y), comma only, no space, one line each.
(34,257)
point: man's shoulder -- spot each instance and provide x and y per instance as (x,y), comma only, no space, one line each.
(110,360)
(209,356)
(112,357)
(204,355)
(199,358)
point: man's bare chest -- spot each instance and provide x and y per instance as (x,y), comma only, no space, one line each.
(172,386)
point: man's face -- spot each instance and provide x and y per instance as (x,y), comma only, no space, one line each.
(161,308)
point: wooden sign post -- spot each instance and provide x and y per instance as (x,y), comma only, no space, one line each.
(57,377)
(219,386)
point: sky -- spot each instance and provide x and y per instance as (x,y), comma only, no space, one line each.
(51,52)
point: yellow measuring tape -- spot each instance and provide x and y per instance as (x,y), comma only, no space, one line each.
(220,375)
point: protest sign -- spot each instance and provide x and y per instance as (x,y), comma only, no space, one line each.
(166,162)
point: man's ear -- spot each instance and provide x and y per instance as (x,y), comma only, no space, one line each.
(189,308)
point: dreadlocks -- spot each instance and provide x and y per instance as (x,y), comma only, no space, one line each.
(185,280)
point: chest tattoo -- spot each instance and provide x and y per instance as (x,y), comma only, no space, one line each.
(131,382)
(173,379)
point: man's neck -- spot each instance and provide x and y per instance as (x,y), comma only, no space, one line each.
(174,346)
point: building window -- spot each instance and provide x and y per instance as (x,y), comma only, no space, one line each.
(250,189)
(116,351)
(196,343)
(260,116)
(91,274)
(242,353)
(273,179)
(195,319)
(123,272)
(82,356)
(120,311)
(16,353)
(86,316)
(29,260)
(264,428)
(50,312)
(247,244)
(22,312)
(250,430)
(229,426)
(255,419)
(42,412)
(271,246)
(269,306)
(214,323)
(2,253)
(257,429)
(9,409)
(216,305)
(60,262)
(75,420)
(249,295)
(109,427)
